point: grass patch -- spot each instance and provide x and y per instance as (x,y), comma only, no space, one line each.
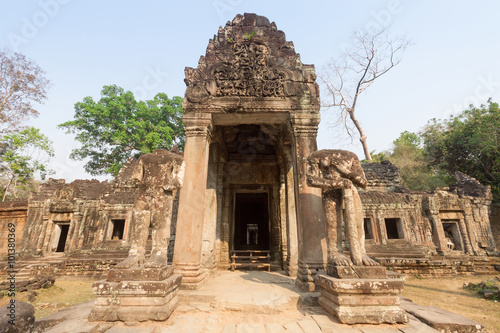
(449,294)
(63,294)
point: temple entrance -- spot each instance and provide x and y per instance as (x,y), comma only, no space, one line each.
(452,235)
(63,236)
(251,221)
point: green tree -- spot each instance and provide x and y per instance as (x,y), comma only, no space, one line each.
(468,142)
(416,173)
(23,155)
(408,155)
(118,126)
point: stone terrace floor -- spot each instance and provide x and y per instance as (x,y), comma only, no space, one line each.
(231,302)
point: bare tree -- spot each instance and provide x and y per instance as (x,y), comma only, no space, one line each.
(370,56)
(22,82)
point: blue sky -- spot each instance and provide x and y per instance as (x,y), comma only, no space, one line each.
(144,47)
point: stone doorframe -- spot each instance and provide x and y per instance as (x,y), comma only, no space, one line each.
(303,202)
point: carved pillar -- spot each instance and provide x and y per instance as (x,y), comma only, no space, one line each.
(39,247)
(282,217)
(73,232)
(471,228)
(291,215)
(220,202)
(312,256)
(432,212)
(465,235)
(189,233)
(210,220)
(225,228)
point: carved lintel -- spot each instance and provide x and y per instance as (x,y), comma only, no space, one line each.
(305,131)
(199,131)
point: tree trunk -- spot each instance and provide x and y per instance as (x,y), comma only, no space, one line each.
(362,135)
(6,189)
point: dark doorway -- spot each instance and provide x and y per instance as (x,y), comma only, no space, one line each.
(251,222)
(393,228)
(62,237)
(118,229)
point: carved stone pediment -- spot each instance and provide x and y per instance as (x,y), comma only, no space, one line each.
(249,66)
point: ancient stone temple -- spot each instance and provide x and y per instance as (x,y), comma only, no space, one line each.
(251,113)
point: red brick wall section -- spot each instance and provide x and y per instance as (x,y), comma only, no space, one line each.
(12,212)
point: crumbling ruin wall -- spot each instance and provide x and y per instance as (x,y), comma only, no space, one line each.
(495,223)
(451,220)
(72,211)
(12,216)
(382,177)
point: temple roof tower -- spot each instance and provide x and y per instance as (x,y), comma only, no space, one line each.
(250,67)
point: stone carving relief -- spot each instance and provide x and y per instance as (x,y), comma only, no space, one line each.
(247,74)
(249,65)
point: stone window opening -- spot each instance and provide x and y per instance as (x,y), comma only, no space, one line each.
(394,228)
(118,229)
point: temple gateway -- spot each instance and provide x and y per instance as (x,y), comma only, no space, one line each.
(251,115)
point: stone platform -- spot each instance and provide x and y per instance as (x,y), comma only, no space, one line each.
(249,291)
(234,302)
(362,301)
(136,295)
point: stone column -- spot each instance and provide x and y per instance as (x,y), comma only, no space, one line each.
(73,231)
(210,219)
(432,212)
(282,218)
(40,242)
(291,215)
(312,256)
(189,233)
(471,228)
(465,236)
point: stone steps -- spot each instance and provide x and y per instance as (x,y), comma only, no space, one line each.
(251,259)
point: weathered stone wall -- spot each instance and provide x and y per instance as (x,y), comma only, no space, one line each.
(11,212)
(495,223)
(382,177)
(435,267)
(451,220)
(84,207)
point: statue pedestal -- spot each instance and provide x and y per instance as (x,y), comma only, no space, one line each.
(136,295)
(362,301)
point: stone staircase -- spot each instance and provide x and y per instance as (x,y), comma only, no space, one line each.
(251,259)
(90,265)
(25,268)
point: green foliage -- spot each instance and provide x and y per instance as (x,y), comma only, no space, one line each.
(249,36)
(469,142)
(24,154)
(118,126)
(416,174)
(408,155)
(489,289)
